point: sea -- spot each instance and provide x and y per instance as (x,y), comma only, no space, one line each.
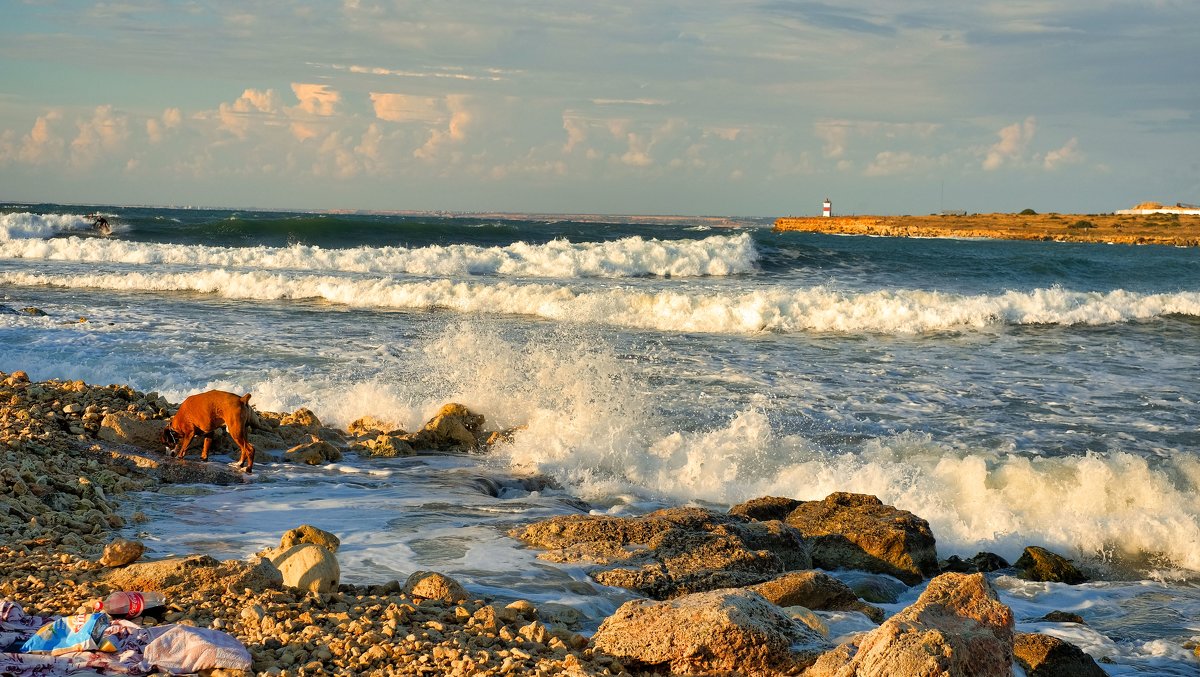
(1010,393)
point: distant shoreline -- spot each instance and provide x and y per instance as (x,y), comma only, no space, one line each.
(1162,229)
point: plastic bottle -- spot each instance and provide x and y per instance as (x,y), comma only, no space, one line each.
(130,604)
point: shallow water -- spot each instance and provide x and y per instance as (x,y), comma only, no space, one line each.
(1010,393)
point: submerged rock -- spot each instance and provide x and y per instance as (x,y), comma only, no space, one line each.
(858,531)
(734,631)
(956,627)
(671,552)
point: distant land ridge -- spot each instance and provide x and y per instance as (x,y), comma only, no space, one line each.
(1176,229)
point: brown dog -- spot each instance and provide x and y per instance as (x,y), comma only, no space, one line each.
(202,414)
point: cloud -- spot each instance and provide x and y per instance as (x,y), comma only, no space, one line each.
(405,108)
(316,99)
(889,163)
(629,102)
(1068,154)
(103,134)
(1014,139)
(156,127)
(836,134)
(236,117)
(455,132)
(576,132)
(42,145)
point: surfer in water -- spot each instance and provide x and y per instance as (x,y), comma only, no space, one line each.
(100,225)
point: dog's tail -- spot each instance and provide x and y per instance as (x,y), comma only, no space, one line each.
(245,398)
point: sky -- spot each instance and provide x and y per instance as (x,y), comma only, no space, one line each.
(689,107)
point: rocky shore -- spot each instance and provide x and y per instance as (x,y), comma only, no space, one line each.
(739,592)
(1162,229)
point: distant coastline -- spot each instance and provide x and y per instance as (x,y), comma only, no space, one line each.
(1163,229)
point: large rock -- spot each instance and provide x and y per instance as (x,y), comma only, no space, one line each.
(1039,564)
(815,590)
(454,426)
(121,551)
(1045,656)
(765,508)
(671,552)
(857,531)
(314,452)
(308,567)
(956,627)
(125,428)
(383,446)
(307,533)
(195,572)
(432,585)
(725,631)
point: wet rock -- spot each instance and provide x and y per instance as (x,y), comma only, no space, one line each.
(306,533)
(874,588)
(733,631)
(369,426)
(384,446)
(121,551)
(1045,656)
(956,627)
(308,567)
(815,590)
(858,531)
(314,452)
(454,426)
(765,508)
(1063,617)
(1039,564)
(671,552)
(432,585)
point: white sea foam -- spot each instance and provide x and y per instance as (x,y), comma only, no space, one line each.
(19,226)
(664,308)
(627,257)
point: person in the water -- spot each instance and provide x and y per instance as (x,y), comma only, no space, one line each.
(100,225)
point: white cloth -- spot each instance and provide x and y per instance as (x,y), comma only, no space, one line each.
(184,649)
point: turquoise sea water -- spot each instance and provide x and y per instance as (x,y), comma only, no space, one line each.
(1011,393)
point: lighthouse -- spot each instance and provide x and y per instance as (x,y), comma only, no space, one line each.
(827,208)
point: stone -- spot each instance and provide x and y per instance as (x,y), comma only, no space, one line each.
(725,631)
(815,590)
(671,552)
(306,533)
(1045,656)
(432,585)
(125,428)
(384,446)
(314,452)
(368,426)
(858,531)
(1039,564)
(309,567)
(121,551)
(958,626)
(454,426)
(1063,617)
(765,508)
(195,573)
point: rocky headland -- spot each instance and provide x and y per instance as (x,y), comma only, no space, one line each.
(725,593)
(1162,229)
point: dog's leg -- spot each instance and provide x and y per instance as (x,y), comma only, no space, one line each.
(183,443)
(204,450)
(237,430)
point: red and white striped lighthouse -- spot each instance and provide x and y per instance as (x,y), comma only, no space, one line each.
(827,209)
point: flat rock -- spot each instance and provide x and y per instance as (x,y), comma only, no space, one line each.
(195,572)
(815,590)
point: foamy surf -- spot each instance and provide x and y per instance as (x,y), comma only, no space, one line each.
(27,226)
(626,257)
(772,309)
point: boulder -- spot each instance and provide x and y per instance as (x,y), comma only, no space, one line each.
(432,585)
(671,552)
(314,452)
(984,562)
(956,627)
(875,588)
(725,631)
(125,428)
(306,533)
(195,572)
(369,426)
(858,531)
(765,508)
(454,426)
(121,551)
(1039,564)
(384,446)
(1057,616)
(1045,656)
(309,567)
(815,590)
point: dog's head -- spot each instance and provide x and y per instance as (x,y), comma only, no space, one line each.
(169,437)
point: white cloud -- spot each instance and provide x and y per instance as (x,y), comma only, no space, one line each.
(42,145)
(103,134)
(1068,154)
(1014,139)
(236,117)
(576,132)
(456,131)
(316,99)
(405,108)
(156,127)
